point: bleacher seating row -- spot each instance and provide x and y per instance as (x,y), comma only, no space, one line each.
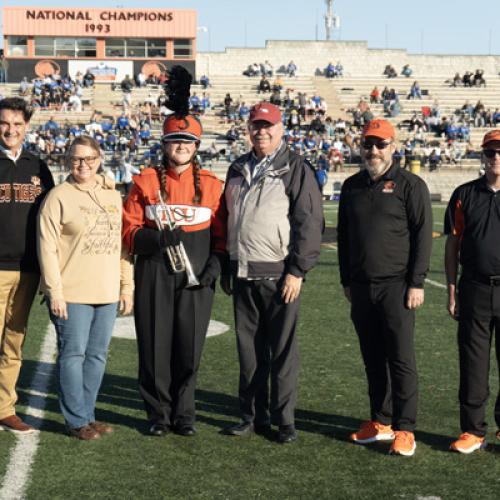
(345,93)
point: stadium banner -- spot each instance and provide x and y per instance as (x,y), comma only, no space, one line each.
(103,70)
(104,23)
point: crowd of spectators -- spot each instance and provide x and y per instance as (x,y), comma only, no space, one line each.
(334,70)
(329,143)
(54,92)
(297,106)
(266,69)
(432,138)
(390,71)
(468,79)
(120,138)
(478,115)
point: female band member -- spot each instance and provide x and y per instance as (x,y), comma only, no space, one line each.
(171,315)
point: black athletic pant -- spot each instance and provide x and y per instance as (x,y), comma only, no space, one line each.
(171,324)
(267,345)
(385,328)
(479,316)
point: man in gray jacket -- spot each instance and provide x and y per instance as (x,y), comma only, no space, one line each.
(275,220)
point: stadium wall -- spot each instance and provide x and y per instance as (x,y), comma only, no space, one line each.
(441,183)
(355,56)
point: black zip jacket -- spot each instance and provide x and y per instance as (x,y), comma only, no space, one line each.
(23,186)
(384,229)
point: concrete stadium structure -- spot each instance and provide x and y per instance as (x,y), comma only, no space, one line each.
(357,58)
(363,69)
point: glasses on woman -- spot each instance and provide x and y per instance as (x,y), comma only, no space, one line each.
(90,161)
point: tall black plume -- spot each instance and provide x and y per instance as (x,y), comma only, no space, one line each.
(177,90)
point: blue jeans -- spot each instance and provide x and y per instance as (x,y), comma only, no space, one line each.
(83,341)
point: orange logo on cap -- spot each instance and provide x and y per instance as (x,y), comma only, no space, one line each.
(183,125)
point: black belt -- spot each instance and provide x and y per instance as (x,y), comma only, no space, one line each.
(483,278)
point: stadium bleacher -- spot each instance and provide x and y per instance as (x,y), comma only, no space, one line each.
(340,94)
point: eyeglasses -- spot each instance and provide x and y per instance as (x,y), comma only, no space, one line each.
(490,153)
(260,124)
(90,161)
(379,144)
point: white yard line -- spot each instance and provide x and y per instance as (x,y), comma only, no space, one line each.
(22,456)
(125,328)
(435,283)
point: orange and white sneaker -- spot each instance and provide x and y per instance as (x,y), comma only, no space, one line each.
(372,431)
(403,444)
(468,443)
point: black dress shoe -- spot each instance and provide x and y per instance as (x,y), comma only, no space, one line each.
(287,434)
(262,429)
(185,430)
(159,430)
(241,429)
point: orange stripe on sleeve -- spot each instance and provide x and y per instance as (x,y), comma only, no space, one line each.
(459,220)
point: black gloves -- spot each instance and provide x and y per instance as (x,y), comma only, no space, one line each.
(226,283)
(148,241)
(211,271)
(170,238)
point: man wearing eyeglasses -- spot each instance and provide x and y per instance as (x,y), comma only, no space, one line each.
(24,180)
(472,223)
(274,221)
(384,245)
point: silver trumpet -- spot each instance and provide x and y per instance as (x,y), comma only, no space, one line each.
(177,256)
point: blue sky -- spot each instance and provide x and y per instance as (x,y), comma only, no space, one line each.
(431,26)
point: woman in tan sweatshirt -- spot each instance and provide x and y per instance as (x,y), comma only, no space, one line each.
(84,278)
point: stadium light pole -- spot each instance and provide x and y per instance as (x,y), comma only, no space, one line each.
(332,21)
(329,19)
(317,27)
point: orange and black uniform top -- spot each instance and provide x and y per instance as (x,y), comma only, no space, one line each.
(473,215)
(203,232)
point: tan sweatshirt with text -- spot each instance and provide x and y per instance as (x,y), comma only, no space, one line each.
(79,244)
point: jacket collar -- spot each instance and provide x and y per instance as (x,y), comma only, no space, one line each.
(389,175)
(102,182)
(7,154)
(279,164)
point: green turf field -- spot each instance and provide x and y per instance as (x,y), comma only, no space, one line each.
(333,401)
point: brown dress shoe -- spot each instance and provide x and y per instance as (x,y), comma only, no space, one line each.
(101,427)
(16,425)
(85,433)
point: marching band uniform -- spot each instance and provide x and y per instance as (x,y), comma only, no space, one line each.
(172,319)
